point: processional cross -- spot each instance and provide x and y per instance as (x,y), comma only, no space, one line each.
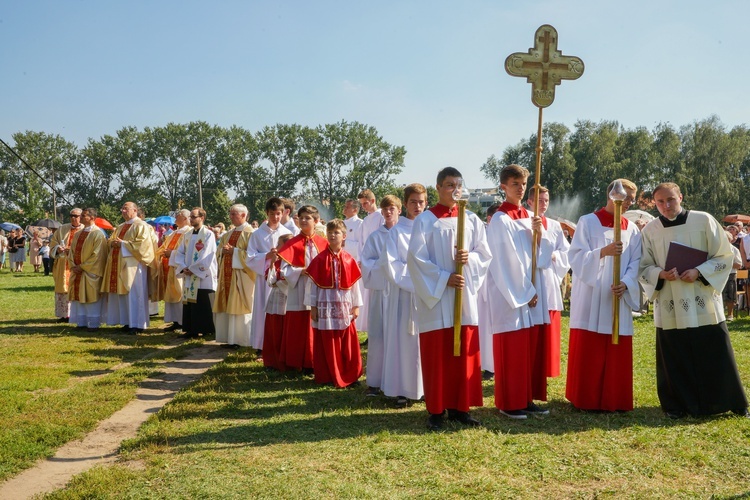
(544,67)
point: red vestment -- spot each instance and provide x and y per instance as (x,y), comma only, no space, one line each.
(450,381)
(520,356)
(297,340)
(600,373)
(336,355)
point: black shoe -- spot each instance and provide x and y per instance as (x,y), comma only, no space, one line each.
(487,375)
(742,412)
(463,417)
(353,385)
(189,336)
(514,414)
(435,422)
(533,409)
(171,328)
(675,415)
(401,402)
(372,392)
(63,320)
(135,331)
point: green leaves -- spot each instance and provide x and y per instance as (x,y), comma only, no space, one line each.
(158,168)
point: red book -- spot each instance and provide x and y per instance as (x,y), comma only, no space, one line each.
(684,257)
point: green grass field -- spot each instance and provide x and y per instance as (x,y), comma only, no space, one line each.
(244,432)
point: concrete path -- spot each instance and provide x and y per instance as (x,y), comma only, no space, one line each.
(101,445)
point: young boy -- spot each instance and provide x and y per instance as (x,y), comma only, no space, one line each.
(402,370)
(275,309)
(261,249)
(549,274)
(513,300)
(296,255)
(452,383)
(334,302)
(372,221)
(600,373)
(382,301)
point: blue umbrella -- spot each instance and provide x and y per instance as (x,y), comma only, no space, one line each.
(9,226)
(164,219)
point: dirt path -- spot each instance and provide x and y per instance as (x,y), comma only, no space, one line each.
(101,445)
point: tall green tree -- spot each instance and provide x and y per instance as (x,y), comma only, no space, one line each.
(347,158)
(593,147)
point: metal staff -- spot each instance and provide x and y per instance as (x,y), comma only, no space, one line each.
(617,195)
(458,303)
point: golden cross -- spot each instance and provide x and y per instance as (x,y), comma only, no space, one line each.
(544,66)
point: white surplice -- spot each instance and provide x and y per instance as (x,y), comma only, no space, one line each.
(509,287)
(381,302)
(262,241)
(402,366)
(204,266)
(369,225)
(430,261)
(551,271)
(591,297)
(679,304)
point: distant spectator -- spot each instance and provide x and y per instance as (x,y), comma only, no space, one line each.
(3,248)
(34,246)
(17,249)
(46,261)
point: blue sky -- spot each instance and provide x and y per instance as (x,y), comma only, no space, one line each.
(427,74)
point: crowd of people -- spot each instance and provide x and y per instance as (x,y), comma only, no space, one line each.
(298,290)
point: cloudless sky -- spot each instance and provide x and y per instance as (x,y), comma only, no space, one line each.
(427,74)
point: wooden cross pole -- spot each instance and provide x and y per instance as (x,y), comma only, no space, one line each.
(544,68)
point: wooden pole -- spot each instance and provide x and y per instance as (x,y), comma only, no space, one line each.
(458,303)
(537,185)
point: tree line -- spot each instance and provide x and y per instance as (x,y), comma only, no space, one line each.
(158,169)
(710,162)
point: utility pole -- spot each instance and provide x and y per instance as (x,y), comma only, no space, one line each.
(200,182)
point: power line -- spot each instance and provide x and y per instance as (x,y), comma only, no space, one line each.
(35,172)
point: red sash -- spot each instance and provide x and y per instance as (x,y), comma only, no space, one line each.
(77,278)
(226,268)
(114,271)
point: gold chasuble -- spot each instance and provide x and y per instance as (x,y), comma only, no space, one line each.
(89,251)
(120,271)
(236,288)
(61,267)
(169,285)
